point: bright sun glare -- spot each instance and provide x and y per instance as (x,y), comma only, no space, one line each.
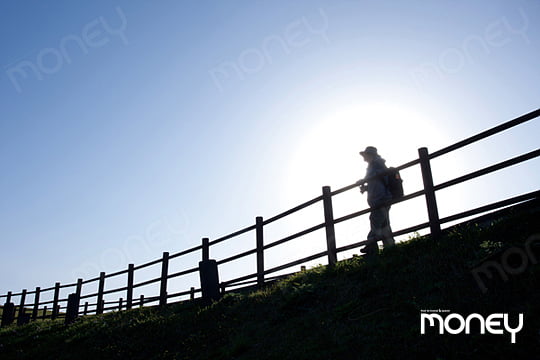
(328,154)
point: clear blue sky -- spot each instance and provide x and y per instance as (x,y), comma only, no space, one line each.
(129,128)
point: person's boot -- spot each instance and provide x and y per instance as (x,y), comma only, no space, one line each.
(370,250)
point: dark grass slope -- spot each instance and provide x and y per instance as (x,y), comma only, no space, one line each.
(357,310)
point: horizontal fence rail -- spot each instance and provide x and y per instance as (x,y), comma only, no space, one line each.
(31,305)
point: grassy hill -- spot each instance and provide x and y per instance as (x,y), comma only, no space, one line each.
(360,309)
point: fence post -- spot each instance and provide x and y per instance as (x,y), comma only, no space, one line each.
(208,272)
(164,273)
(260,250)
(141,301)
(129,300)
(8,312)
(101,287)
(85,312)
(78,291)
(73,304)
(431,200)
(120,303)
(205,249)
(329,225)
(44,316)
(22,317)
(72,310)
(192,293)
(21,314)
(55,311)
(36,304)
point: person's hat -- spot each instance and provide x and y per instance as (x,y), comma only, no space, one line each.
(369,150)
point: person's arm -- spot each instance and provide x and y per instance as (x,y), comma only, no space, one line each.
(363,185)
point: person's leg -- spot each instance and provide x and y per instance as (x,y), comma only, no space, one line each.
(371,248)
(386,230)
(376,222)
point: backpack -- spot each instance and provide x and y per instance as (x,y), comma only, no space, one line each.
(394,183)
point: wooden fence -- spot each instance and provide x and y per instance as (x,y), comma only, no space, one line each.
(211,288)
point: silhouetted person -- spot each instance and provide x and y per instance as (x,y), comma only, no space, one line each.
(378,199)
